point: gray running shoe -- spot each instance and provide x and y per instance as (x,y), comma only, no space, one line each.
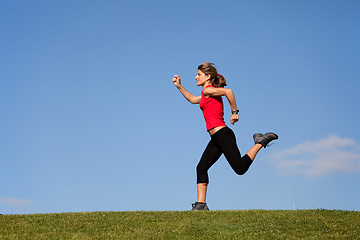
(264,139)
(198,206)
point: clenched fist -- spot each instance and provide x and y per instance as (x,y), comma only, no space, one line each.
(177,80)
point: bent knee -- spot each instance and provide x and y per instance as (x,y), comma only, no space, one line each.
(201,169)
(241,172)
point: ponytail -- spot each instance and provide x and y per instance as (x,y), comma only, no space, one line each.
(219,81)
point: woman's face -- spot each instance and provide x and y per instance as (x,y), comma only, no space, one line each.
(201,78)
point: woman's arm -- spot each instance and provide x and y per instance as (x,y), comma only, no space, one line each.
(212,92)
(191,98)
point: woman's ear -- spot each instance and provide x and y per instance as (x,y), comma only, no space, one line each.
(208,77)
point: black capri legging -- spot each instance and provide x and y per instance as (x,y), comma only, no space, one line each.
(223,141)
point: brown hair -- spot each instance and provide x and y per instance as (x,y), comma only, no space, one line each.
(216,79)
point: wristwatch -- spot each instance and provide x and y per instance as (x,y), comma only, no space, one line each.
(235,111)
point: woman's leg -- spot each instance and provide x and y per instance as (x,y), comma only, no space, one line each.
(211,154)
(225,139)
(201,192)
(254,150)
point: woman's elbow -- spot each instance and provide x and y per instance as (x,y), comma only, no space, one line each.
(192,101)
(229,92)
(195,100)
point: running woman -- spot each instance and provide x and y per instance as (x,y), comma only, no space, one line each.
(223,139)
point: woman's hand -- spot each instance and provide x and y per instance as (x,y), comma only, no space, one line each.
(234,118)
(177,80)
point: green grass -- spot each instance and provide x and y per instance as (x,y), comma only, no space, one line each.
(252,224)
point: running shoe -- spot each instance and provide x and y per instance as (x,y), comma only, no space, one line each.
(198,206)
(264,139)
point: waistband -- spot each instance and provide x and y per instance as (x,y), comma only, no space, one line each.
(223,130)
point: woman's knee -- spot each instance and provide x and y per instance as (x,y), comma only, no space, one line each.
(202,175)
(241,171)
(202,178)
(201,167)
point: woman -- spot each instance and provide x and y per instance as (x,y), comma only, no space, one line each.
(223,139)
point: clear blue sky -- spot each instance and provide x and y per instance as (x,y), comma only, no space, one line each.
(91,121)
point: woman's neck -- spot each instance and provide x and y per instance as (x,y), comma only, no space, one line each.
(206,84)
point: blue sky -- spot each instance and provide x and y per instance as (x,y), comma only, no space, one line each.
(90,119)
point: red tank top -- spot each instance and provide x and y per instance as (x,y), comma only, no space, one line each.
(213,110)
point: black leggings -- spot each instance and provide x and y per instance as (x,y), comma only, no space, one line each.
(223,141)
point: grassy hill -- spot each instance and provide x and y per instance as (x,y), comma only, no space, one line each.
(251,224)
